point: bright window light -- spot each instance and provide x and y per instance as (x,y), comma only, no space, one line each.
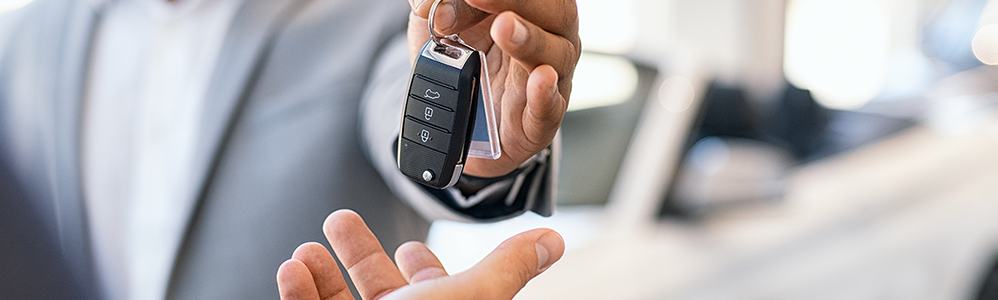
(9,5)
(602,80)
(985,44)
(676,94)
(608,26)
(838,49)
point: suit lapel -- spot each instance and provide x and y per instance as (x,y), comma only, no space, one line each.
(238,66)
(78,19)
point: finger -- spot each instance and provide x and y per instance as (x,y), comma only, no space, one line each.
(451,16)
(515,147)
(560,17)
(373,273)
(536,109)
(325,272)
(294,281)
(544,109)
(417,263)
(532,46)
(416,35)
(536,106)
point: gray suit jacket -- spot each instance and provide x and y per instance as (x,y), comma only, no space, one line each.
(302,110)
(31,266)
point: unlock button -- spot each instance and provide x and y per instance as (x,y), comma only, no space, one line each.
(425,112)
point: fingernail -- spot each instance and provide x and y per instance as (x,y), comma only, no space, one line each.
(519,33)
(546,245)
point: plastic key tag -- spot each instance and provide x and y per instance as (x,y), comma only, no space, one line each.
(485,140)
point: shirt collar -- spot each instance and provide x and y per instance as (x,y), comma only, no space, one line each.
(97,4)
(163,9)
(182,6)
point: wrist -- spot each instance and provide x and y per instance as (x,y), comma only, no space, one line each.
(470,183)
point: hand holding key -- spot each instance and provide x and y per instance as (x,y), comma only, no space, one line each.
(531,48)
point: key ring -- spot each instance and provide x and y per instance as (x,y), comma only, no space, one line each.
(433,11)
(433,34)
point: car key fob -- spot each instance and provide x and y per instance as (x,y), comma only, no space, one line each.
(439,113)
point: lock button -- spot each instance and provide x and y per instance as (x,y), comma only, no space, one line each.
(434,115)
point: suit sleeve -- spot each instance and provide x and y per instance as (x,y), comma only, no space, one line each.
(530,188)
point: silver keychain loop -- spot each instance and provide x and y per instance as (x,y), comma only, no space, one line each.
(433,12)
(433,34)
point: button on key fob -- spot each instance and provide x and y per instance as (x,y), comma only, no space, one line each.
(440,107)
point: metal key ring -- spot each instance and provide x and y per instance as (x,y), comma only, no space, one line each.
(433,11)
(433,34)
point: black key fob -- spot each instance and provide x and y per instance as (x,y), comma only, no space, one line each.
(439,117)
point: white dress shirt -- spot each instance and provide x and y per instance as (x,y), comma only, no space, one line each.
(149,71)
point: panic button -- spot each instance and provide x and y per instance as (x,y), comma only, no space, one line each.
(436,116)
(428,91)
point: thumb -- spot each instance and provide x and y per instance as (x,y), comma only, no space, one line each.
(500,275)
(515,262)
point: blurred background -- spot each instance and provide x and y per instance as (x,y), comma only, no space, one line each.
(773,149)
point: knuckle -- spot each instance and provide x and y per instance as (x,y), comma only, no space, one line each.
(369,257)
